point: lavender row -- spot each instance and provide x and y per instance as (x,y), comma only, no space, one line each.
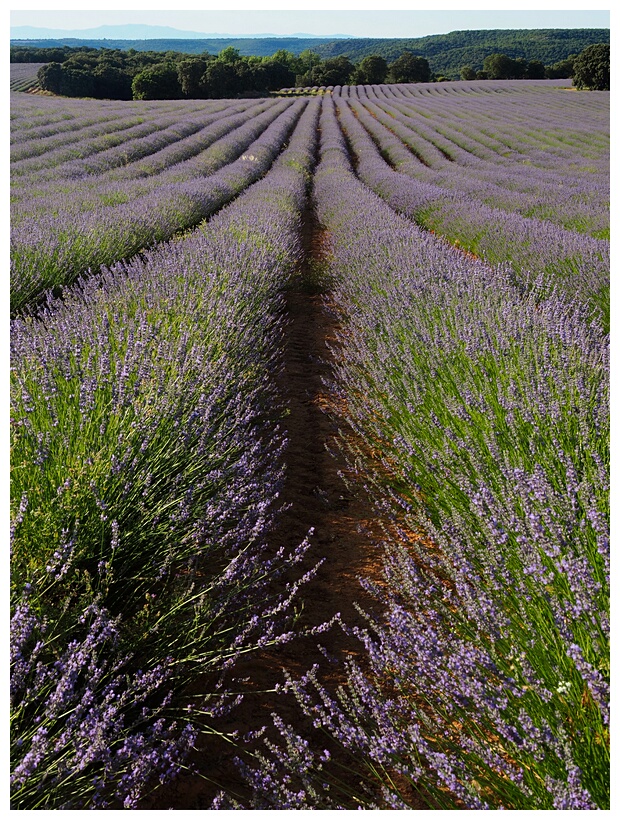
(543,256)
(23,76)
(52,151)
(33,143)
(493,183)
(486,677)
(522,126)
(181,152)
(552,134)
(148,460)
(195,156)
(52,252)
(572,198)
(41,116)
(401,136)
(501,122)
(505,115)
(131,159)
(101,156)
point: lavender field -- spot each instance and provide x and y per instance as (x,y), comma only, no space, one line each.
(310,450)
(24,76)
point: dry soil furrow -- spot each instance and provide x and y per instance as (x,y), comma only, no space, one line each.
(317,498)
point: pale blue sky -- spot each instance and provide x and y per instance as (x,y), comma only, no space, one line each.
(360,22)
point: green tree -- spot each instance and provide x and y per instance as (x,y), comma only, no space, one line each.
(372,70)
(190,73)
(276,73)
(409,69)
(520,69)
(77,83)
(253,76)
(535,70)
(468,73)
(287,58)
(562,69)
(591,68)
(221,79)
(112,83)
(333,71)
(306,61)
(157,82)
(49,77)
(229,55)
(499,67)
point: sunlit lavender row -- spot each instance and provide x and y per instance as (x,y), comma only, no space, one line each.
(148,461)
(52,251)
(498,410)
(85,153)
(556,167)
(486,681)
(24,76)
(542,255)
(50,152)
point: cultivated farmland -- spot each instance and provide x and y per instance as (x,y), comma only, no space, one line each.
(310,450)
(24,76)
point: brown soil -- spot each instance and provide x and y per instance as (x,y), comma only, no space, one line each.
(343,520)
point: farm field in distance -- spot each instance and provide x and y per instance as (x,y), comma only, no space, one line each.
(310,449)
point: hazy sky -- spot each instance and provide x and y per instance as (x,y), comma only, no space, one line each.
(357,19)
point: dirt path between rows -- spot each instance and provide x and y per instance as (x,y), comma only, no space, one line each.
(343,522)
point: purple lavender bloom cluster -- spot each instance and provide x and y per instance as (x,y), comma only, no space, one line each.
(146,429)
(84,716)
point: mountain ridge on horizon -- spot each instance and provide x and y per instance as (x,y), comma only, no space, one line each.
(140,31)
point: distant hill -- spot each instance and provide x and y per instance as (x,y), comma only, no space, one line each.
(138,31)
(446,53)
(131,31)
(246,46)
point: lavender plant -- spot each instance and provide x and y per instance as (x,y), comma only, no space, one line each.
(487,683)
(147,456)
(84,717)
(147,463)
(24,76)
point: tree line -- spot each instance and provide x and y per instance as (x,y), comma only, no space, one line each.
(139,75)
(116,74)
(589,69)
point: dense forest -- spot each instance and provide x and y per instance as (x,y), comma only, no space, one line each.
(446,53)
